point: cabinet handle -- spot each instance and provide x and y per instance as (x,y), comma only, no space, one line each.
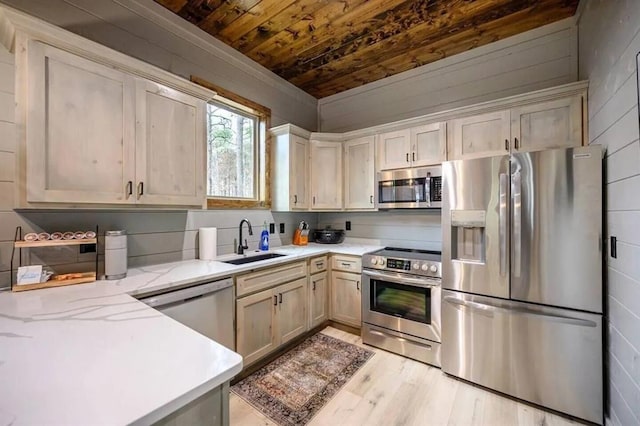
(357,285)
(314,200)
(370,199)
(140,189)
(407,157)
(348,265)
(280,296)
(314,286)
(129,189)
(413,156)
(506,144)
(319,265)
(275,300)
(295,199)
(517,143)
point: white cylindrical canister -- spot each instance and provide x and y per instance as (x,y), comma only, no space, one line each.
(208,243)
(115,255)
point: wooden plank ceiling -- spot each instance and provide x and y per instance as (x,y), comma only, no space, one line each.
(328,46)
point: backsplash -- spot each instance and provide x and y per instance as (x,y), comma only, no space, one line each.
(420,229)
(153,236)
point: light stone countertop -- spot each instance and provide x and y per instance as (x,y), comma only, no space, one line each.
(93,354)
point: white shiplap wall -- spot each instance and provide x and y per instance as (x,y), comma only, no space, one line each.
(534,60)
(609,39)
(419,229)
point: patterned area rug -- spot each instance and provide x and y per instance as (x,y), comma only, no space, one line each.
(292,389)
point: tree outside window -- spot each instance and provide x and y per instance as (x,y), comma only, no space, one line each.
(231,153)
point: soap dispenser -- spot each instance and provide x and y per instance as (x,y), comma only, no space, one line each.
(264,238)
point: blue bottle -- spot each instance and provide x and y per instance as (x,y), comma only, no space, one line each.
(264,238)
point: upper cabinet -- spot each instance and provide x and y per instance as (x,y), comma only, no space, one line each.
(546,125)
(98,135)
(326,175)
(416,146)
(290,171)
(359,173)
(428,144)
(393,150)
(531,127)
(482,135)
(170,156)
(80,129)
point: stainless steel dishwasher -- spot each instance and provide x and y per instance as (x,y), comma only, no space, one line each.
(206,308)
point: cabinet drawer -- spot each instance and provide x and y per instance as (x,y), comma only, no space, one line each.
(266,278)
(318,264)
(346,263)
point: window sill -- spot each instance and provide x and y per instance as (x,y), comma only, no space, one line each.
(219,203)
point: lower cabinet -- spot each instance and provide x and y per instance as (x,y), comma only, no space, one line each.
(267,319)
(318,299)
(346,298)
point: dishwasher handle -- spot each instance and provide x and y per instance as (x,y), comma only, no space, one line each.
(186,294)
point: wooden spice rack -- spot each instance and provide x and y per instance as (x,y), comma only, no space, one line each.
(55,280)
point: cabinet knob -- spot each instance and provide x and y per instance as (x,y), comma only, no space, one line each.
(357,285)
(129,189)
(516,143)
(413,156)
(140,189)
(506,144)
(370,199)
(407,157)
(295,199)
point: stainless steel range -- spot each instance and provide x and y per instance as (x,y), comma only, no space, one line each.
(401,302)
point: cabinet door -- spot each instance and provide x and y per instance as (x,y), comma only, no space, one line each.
(429,144)
(326,175)
(256,332)
(80,129)
(359,173)
(292,309)
(345,298)
(170,146)
(553,124)
(318,299)
(298,180)
(393,150)
(482,135)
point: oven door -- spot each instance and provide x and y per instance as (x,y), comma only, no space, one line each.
(402,303)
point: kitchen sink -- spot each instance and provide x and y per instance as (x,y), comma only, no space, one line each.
(250,259)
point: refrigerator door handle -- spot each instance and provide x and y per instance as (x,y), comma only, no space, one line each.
(484,307)
(517,223)
(502,228)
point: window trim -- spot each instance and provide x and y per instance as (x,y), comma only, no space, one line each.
(263,187)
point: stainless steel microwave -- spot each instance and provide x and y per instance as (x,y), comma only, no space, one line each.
(409,188)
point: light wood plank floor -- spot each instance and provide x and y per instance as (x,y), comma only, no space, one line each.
(392,390)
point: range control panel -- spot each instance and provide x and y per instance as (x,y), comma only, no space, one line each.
(429,268)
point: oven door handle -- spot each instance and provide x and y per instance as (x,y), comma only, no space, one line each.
(403,279)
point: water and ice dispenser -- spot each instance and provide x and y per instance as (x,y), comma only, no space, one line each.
(468,235)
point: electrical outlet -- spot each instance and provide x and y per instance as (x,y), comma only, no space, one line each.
(282,228)
(87,248)
(347,225)
(614,247)
(272,228)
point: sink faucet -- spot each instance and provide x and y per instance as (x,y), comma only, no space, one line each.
(242,248)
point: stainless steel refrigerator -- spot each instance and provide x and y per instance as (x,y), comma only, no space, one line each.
(522,277)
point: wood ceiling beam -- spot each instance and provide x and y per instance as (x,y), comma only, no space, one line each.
(458,43)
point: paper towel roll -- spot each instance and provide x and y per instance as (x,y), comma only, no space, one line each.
(208,243)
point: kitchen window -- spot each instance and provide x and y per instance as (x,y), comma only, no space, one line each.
(237,147)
